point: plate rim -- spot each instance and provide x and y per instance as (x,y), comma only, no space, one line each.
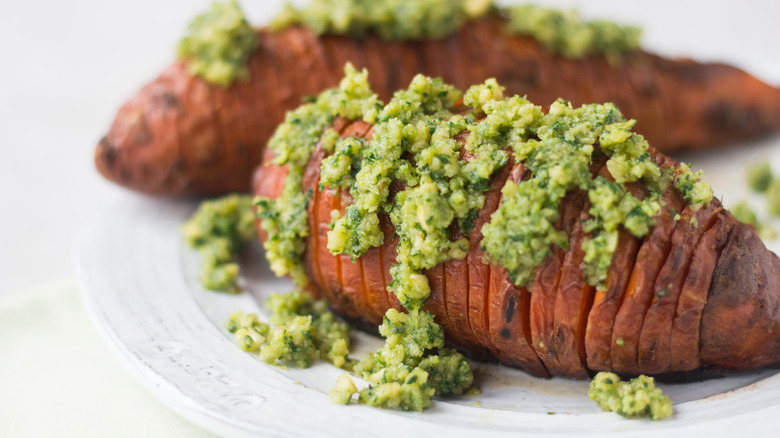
(167,391)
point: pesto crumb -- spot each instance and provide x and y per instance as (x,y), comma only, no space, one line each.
(342,393)
(759,176)
(636,398)
(219,229)
(302,330)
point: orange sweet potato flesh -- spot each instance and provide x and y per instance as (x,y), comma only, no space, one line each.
(509,314)
(182,136)
(545,285)
(607,301)
(572,304)
(684,354)
(721,312)
(653,354)
(649,260)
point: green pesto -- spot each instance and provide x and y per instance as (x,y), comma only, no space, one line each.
(413,365)
(566,33)
(414,143)
(302,330)
(557,148)
(696,192)
(637,398)
(759,176)
(218,44)
(439,189)
(293,142)
(612,207)
(342,392)
(219,229)
(560,32)
(390,19)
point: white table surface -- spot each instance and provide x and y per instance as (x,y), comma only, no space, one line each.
(67,67)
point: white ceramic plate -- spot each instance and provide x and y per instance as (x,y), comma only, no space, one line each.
(140,286)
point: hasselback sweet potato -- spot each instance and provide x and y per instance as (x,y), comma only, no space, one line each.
(699,293)
(182,136)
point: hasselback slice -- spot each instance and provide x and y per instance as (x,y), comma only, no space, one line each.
(694,291)
(183,136)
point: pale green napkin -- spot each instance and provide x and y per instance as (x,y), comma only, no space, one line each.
(57,377)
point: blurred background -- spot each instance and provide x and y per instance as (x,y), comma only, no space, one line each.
(68,66)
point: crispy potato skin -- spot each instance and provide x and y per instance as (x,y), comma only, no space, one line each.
(182,136)
(720,310)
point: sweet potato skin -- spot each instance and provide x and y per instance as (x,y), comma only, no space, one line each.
(181,136)
(740,322)
(725,282)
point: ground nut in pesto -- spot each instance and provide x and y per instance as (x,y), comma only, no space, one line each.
(218,44)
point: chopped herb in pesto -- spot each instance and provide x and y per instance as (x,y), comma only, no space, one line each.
(637,398)
(218,230)
(568,34)
(759,176)
(302,330)
(218,44)
(390,19)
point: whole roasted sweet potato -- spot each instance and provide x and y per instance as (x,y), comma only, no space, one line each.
(183,136)
(698,294)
